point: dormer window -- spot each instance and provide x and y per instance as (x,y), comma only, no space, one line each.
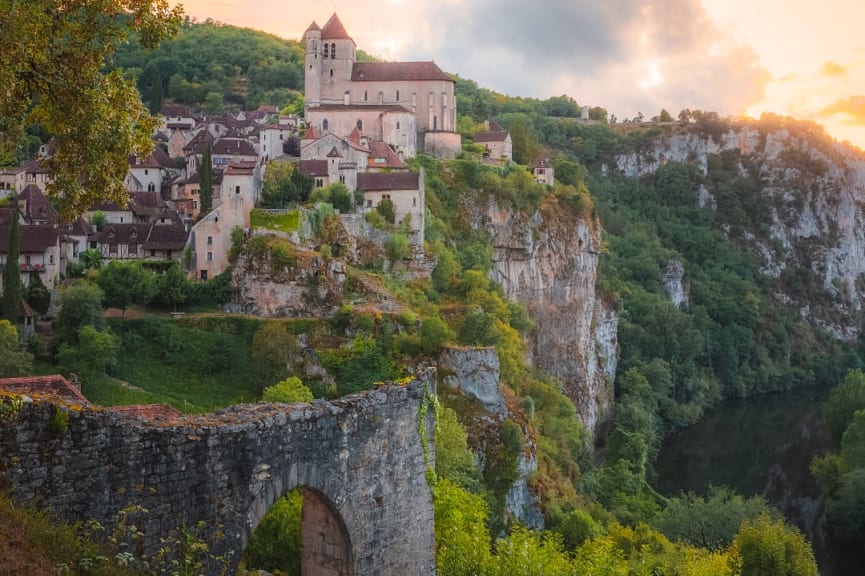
(111,232)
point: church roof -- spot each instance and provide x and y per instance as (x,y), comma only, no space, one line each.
(359,108)
(313,27)
(334,30)
(395,71)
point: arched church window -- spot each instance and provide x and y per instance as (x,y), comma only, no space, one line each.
(360,125)
(325,50)
(333,50)
(325,125)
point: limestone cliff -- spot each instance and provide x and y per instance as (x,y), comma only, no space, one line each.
(548,261)
(813,244)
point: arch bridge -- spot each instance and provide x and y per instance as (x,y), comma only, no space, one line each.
(359,461)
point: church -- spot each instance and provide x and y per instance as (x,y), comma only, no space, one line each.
(411,106)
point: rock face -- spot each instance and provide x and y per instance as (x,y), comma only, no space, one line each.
(549,261)
(674,273)
(475,372)
(359,460)
(815,236)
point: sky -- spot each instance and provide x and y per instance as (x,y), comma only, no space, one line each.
(736,57)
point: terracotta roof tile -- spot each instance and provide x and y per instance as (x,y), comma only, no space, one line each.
(334,30)
(232,147)
(148,411)
(32,239)
(491,136)
(313,167)
(55,387)
(380,150)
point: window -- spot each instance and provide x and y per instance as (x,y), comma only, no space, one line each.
(133,249)
(397,125)
(414,201)
(326,50)
(195,205)
(237,189)
(397,95)
(369,203)
(209,240)
(27,260)
(51,258)
(153,253)
(325,125)
(342,179)
(145,172)
(319,182)
(203,276)
(414,99)
(331,72)
(431,99)
(365,96)
(264,147)
(151,187)
(210,256)
(112,249)
(281,136)
(333,50)
(359,125)
(93,245)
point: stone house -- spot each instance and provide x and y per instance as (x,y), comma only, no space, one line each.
(404,189)
(38,249)
(543,171)
(271,140)
(210,238)
(378,97)
(35,172)
(497,142)
(318,170)
(163,238)
(145,174)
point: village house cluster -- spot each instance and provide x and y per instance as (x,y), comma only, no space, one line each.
(363,120)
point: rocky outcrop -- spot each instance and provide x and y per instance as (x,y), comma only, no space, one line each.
(549,261)
(814,242)
(475,372)
(674,274)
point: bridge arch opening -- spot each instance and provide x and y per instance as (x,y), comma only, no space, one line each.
(301,535)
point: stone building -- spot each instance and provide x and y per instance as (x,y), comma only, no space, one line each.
(409,105)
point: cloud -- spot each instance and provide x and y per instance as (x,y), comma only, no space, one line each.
(833,69)
(852,110)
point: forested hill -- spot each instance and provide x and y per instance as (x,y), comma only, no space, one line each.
(211,65)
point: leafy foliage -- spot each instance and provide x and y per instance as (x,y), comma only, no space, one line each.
(276,543)
(13,362)
(124,283)
(289,391)
(54,77)
(10,300)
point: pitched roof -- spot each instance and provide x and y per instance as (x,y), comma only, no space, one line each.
(55,387)
(372,181)
(313,167)
(242,168)
(148,411)
(334,153)
(31,239)
(360,108)
(380,150)
(334,30)
(394,71)
(312,133)
(35,205)
(313,28)
(231,147)
(137,162)
(169,236)
(491,136)
(542,163)
(162,158)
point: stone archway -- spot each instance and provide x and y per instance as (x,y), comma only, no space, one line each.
(326,548)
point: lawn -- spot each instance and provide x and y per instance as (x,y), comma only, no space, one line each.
(289,222)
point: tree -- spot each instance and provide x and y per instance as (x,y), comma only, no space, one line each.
(340,197)
(80,305)
(91,259)
(172,288)
(276,543)
(95,350)
(205,178)
(126,283)
(853,442)
(665,116)
(454,459)
(38,295)
(289,391)
(396,247)
(213,103)
(434,333)
(54,75)
(386,209)
(767,547)
(13,362)
(10,301)
(844,401)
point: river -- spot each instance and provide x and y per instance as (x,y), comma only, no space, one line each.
(762,446)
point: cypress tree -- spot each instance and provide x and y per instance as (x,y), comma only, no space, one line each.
(205,176)
(11,299)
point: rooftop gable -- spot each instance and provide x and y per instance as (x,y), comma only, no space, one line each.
(334,30)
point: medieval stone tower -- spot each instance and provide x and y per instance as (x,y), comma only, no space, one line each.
(330,56)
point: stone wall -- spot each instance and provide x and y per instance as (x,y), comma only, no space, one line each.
(361,455)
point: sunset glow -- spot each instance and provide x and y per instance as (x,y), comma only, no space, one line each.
(732,56)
